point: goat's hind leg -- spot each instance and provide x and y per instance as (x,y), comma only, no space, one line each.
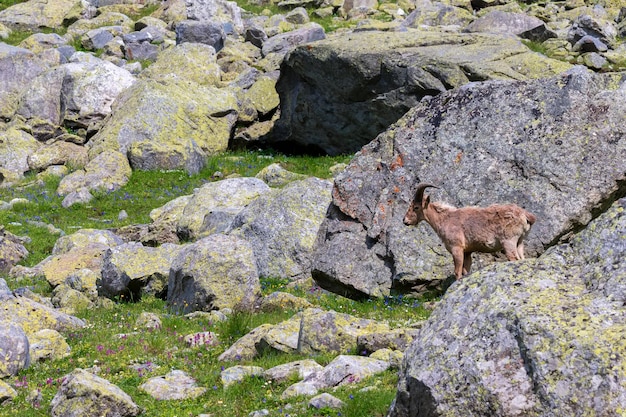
(467,263)
(510,250)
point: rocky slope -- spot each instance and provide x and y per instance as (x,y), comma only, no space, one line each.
(444,92)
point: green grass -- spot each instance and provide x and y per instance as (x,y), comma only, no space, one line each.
(163,350)
(4,4)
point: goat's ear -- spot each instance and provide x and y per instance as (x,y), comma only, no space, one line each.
(426,201)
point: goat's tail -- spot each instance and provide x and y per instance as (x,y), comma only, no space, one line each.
(530,218)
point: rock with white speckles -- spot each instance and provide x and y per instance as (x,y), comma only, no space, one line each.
(176,385)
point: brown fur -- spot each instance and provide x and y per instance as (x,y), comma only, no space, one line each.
(499,227)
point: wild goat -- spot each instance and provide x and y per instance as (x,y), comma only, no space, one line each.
(500,227)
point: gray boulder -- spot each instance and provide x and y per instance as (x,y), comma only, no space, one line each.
(84,394)
(337,94)
(282,227)
(37,14)
(131,269)
(171,124)
(12,250)
(108,171)
(503,22)
(18,66)
(434,13)
(33,316)
(15,349)
(207,33)
(213,207)
(284,42)
(526,142)
(176,385)
(224,12)
(525,338)
(79,94)
(214,273)
(15,147)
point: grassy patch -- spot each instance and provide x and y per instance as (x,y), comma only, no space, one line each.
(5,4)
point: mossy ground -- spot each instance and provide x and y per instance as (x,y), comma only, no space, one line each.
(163,350)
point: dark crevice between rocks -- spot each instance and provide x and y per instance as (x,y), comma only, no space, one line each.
(529,366)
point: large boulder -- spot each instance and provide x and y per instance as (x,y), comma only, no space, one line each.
(190,61)
(107,171)
(32,316)
(214,273)
(78,94)
(554,146)
(171,124)
(213,206)
(18,66)
(282,227)
(339,93)
(84,394)
(15,147)
(131,269)
(37,14)
(527,338)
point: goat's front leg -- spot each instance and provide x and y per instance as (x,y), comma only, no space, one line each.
(457,255)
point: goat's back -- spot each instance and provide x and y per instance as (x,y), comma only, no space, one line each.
(497,222)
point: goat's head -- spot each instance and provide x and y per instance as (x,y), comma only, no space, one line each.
(415,213)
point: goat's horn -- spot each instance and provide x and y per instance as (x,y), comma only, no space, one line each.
(419,193)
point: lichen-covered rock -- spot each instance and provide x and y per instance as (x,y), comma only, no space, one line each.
(329,331)
(37,14)
(48,344)
(14,349)
(245,348)
(396,339)
(84,394)
(69,300)
(169,124)
(238,373)
(108,171)
(7,393)
(12,250)
(82,26)
(149,321)
(213,206)
(57,268)
(131,269)
(282,227)
(524,142)
(78,93)
(300,369)
(344,370)
(275,175)
(326,401)
(195,62)
(58,153)
(317,331)
(339,93)
(15,147)
(280,301)
(263,96)
(83,238)
(214,273)
(526,338)
(176,385)
(33,316)
(282,43)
